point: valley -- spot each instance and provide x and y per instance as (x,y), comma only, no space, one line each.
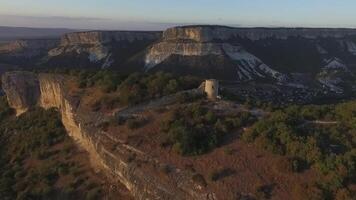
(311,63)
(276,121)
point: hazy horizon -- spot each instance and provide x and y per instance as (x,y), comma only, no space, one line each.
(160,14)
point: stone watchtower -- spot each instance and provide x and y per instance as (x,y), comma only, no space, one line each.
(212,89)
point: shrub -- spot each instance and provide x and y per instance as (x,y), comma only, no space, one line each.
(289,132)
(194,129)
(138,88)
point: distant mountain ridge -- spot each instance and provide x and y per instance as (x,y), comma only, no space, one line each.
(296,57)
(13,33)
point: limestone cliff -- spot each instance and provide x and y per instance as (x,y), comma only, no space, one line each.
(25,90)
(214,42)
(22,90)
(243,54)
(22,51)
(102,47)
(222,33)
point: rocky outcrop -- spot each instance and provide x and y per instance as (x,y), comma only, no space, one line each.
(244,54)
(103,47)
(28,48)
(106,151)
(247,66)
(222,33)
(218,52)
(21,45)
(215,42)
(22,90)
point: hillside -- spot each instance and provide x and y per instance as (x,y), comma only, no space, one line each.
(161,138)
(40,161)
(319,63)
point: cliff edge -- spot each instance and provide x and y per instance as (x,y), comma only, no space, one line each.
(25,90)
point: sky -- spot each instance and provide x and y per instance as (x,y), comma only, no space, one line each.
(160,14)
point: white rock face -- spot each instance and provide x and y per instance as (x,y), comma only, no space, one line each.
(335,63)
(217,40)
(96,52)
(161,51)
(248,66)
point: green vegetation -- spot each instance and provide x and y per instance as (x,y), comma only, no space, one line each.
(142,87)
(37,158)
(321,137)
(137,87)
(194,129)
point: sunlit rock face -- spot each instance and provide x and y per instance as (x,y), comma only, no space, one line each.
(22,89)
(213,42)
(101,48)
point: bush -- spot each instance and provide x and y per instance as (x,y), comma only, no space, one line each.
(138,88)
(290,132)
(194,129)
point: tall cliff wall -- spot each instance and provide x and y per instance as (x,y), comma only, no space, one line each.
(28,48)
(103,48)
(22,45)
(221,33)
(49,91)
(244,54)
(22,90)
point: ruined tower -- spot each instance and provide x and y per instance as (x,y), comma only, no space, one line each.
(212,89)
